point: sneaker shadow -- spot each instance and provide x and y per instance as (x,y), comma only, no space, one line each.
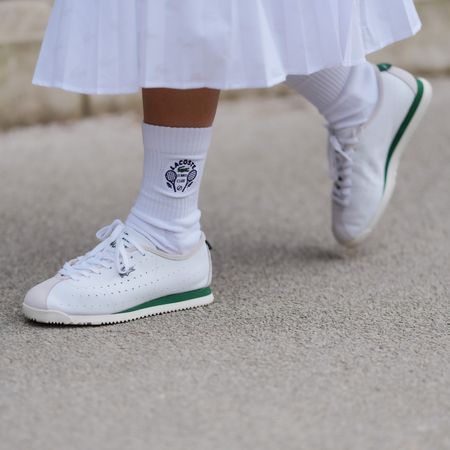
(270,253)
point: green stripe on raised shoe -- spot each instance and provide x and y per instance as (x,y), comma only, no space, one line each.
(403,127)
(173,298)
(384,67)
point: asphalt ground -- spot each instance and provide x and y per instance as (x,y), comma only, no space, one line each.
(308,345)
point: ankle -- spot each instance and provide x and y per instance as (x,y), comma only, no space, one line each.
(173,238)
(356,103)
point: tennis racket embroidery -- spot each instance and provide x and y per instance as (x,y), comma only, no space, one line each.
(181,175)
(171,177)
(190,178)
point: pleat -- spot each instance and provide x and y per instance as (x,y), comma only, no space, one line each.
(117,46)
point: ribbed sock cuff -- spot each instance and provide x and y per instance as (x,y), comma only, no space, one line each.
(321,88)
(189,141)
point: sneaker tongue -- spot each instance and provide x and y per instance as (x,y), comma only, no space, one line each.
(347,136)
(138,237)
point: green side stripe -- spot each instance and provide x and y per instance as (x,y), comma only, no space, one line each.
(174,298)
(403,127)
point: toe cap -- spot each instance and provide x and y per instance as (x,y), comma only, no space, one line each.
(347,236)
(350,229)
(37,296)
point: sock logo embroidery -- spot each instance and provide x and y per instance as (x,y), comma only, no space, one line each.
(181,175)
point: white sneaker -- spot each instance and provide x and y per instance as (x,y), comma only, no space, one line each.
(124,278)
(364,160)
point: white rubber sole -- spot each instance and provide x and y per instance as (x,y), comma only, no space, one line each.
(391,176)
(61,318)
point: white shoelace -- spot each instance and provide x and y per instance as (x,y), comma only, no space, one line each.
(340,158)
(113,251)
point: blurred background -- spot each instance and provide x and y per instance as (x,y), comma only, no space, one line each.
(22,25)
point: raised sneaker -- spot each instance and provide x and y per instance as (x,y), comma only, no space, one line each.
(123,278)
(364,160)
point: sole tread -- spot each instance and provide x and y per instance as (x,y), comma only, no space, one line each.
(33,315)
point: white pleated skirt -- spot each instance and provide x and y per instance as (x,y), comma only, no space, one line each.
(120,46)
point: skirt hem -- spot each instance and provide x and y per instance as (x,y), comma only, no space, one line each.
(253,84)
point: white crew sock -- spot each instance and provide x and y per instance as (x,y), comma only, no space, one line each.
(345,96)
(166,210)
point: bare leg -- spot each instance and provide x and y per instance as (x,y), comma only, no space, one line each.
(190,108)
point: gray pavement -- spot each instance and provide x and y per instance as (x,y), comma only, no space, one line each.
(308,346)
